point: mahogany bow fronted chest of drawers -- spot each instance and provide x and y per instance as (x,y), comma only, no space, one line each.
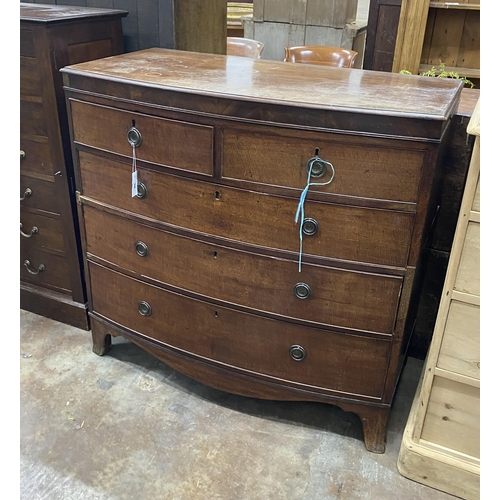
(51,261)
(206,267)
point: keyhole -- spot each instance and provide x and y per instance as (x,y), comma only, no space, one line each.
(133,123)
(216,314)
(316,152)
(215,255)
(217,195)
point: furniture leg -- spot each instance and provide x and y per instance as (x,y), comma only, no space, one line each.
(101,339)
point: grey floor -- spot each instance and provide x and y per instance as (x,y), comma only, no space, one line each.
(125,426)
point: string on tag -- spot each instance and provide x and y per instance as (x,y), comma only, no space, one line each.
(134,172)
(300,209)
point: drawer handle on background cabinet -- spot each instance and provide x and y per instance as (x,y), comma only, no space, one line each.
(34,230)
(27,193)
(310,226)
(27,265)
(141,248)
(297,352)
(302,290)
(23,154)
(144,308)
(141,190)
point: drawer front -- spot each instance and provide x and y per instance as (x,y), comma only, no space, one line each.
(460,351)
(43,194)
(27,47)
(177,144)
(338,297)
(468,276)
(36,158)
(55,273)
(348,233)
(29,77)
(361,169)
(41,232)
(32,117)
(347,364)
(452,418)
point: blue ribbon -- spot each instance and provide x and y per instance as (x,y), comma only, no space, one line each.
(300,209)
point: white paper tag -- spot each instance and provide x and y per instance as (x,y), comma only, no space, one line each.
(134,183)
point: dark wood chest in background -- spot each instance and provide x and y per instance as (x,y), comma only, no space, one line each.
(52,278)
(207,268)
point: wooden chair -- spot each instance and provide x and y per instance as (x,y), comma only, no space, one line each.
(318,54)
(246,47)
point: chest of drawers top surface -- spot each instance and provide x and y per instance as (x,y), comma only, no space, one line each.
(412,106)
(60,13)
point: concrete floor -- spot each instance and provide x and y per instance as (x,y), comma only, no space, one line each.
(125,426)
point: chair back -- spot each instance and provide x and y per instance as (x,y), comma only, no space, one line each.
(337,57)
(246,47)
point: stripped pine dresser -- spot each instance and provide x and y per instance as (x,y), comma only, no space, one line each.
(257,225)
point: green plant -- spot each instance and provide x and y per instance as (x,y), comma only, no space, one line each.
(442,74)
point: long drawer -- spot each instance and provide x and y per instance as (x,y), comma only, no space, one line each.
(349,233)
(54,272)
(39,194)
(363,301)
(368,168)
(187,146)
(42,232)
(341,363)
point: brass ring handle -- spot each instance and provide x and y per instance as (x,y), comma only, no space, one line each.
(27,193)
(144,308)
(302,290)
(141,248)
(316,166)
(23,154)
(34,230)
(27,265)
(310,226)
(142,191)
(297,353)
(134,137)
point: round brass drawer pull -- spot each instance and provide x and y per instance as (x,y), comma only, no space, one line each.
(27,265)
(297,353)
(144,308)
(310,226)
(317,167)
(34,230)
(142,190)
(27,193)
(302,290)
(141,248)
(134,137)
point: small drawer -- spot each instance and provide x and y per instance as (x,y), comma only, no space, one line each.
(348,233)
(46,269)
(41,232)
(459,352)
(453,417)
(38,194)
(285,353)
(29,78)
(35,156)
(468,275)
(176,144)
(27,47)
(342,298)
(370,169)
(33,117)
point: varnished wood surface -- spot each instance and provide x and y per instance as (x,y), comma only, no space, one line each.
(270,81)
(42,13)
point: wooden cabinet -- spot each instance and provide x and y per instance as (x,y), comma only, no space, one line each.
(52,279)
(431,32)
(441,441)
(204,266)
